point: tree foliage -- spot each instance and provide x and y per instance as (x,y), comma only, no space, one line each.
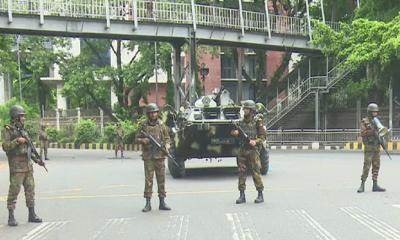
(88,78)
(365,44)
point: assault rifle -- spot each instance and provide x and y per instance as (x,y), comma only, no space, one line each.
(242,134)
(32,149)
(158,145)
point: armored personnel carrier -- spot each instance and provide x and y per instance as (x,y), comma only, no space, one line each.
(203,131)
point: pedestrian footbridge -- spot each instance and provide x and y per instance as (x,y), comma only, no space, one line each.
(157,21)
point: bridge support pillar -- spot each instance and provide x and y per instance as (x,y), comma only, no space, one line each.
(239,65)
(177,74)
(193,69)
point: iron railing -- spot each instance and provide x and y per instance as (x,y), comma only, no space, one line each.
(298,92)
(160,12)
(327,136)
(307,136)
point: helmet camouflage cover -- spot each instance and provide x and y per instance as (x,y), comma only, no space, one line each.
(15,111)
(249,104)
(372,107)
(152,107)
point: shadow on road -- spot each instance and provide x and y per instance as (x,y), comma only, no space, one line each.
(214,173)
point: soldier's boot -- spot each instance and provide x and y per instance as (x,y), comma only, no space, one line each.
(361,188)
(147,208)
(242,198)
(46,158)
(377,188)
(163,205)
(260,197)
(33,217)
(11,219)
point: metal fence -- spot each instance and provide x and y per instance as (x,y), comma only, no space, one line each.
(297,136)
(69,117)
(162,12)
(327,136)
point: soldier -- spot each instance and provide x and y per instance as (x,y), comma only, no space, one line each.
(119,140)
(249,153)
(21,170)
(44,142)
(153,158)
(371,148)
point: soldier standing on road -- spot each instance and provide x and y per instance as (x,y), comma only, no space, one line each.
(44,142)
(249,153)
(21,170)
(371,148)
(119,140)
(153,158)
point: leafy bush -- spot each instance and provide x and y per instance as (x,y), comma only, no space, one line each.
(53,134)
(32,113)
(32,120)
(86,132)
(130,130)
(66,139)
(109,133)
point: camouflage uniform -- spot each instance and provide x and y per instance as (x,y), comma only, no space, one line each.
(249,156)
(44,142)
(369,134)
(21,169)
(119,141)
(371,149)
(153,158)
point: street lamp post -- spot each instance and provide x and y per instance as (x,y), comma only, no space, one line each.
(204,71)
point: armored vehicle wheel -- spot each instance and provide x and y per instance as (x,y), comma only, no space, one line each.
(264,157)
(177,172)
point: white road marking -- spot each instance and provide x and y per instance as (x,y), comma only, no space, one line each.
(43,229)
(377,226)
(242,226)
(320,232)
(178,227)
(396,205)
(109,224)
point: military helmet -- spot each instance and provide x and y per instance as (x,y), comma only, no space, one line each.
(260,107)
(249,104)
(372,107)
(16,111)
(152,107)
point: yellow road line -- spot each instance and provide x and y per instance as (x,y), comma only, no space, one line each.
(98,196)
(64,190)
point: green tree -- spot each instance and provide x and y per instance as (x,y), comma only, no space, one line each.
(85,75)
(36,57)
(369,45)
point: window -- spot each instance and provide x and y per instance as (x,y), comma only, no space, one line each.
(227,67)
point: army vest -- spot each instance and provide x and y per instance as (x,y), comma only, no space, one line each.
(17,153)
(250,128)
(369,140)
(157,131)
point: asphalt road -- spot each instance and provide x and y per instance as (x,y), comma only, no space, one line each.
(309,195)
